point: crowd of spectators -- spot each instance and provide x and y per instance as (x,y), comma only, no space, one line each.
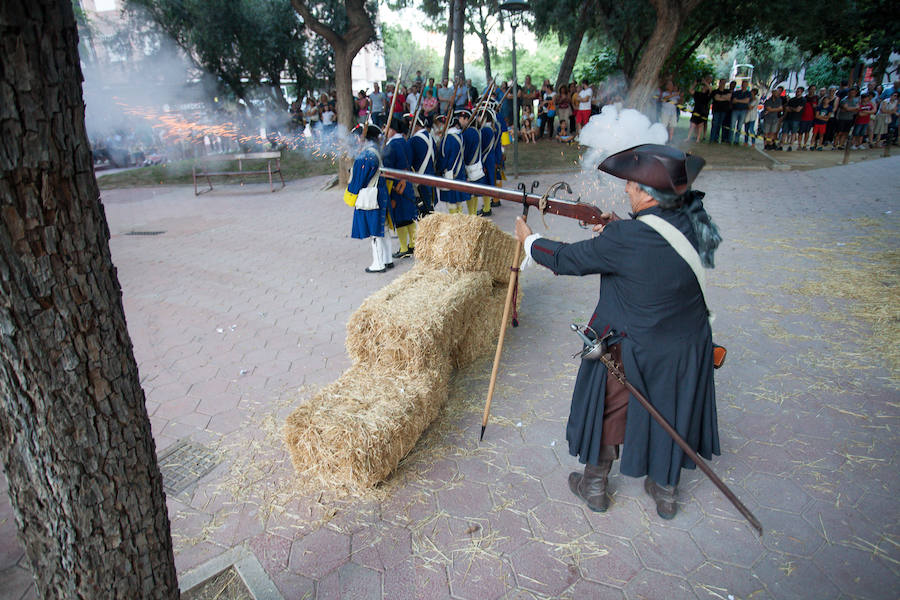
(806,119)
(729,112)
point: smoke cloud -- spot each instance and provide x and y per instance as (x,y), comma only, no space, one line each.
(613,130)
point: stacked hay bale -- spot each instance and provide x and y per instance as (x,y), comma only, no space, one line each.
(404,341)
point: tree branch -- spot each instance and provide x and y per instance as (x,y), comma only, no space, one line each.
(329,34)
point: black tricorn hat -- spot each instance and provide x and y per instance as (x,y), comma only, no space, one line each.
(661,167)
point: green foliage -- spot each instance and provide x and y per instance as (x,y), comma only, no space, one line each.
(541,63)
(600,67)
(243,43)
(823,71)
(691,70)
(401,49)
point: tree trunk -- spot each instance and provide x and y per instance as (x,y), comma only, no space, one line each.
(486,53)
(75,438)
(343,83)
(459,32)
(568,61)
(670,15)
(448,46)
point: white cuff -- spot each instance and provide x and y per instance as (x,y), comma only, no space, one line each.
(528,261)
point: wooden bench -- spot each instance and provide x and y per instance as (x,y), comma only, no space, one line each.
(201,171)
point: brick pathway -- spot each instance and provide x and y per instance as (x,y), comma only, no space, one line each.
(240,306)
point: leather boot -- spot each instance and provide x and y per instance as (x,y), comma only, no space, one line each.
(664,495)
(591,486)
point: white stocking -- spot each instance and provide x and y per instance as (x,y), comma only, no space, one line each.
(385,250)
(377,255)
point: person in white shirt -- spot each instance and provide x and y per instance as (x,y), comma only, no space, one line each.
(412,99)
(583,114)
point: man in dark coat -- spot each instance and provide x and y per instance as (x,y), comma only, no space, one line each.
(653,304)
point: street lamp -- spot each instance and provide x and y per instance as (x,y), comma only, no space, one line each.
(515,12)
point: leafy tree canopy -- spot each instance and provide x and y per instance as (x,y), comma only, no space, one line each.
(401,49)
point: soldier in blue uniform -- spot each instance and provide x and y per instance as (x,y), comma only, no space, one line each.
(489,139)
(369,222)
(452,166)
(499,156)
(424,155)
(471,140)
(402,207)
(652,302)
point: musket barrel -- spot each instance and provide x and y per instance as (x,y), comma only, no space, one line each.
(587,213)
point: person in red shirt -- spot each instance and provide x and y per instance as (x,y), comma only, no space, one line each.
(866,110)
(807,116)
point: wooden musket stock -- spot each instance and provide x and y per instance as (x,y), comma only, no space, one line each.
(572,209)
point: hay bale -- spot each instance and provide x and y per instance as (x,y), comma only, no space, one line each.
(464,243)
(354,432)
(417,320)
(479,338)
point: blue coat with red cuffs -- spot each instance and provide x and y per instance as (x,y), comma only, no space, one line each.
(650,295)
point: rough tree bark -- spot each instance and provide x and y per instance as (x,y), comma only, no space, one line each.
(75,437)
(459,33)
(359,32)
(448,46)
(568,61)
(670,16)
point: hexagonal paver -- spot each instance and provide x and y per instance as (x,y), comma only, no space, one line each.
(534,460)
(292,585)
(624,518)
(272,551)
(481,468)
(380,547)
(786,532)
(543,568)
(465,499)
(615,564)
(595,591)
(408,504)
(764,457)
(350,581)
(517,492)
(557,522)
(319,553)
(723,540)
(857,572)
(657,548)
(479,576)
(650,585)
(414,579)
(509,530)
(716,581)
(776,492)
(788,577)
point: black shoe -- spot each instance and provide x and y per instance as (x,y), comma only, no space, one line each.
(389,265)
(412,251)
(402,253)
(495,203)
(381,270)
(479,212)
(666,506)
(591,486)
(485,213)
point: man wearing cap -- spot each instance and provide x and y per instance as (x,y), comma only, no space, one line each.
(652,305)
(451,164)
(402,207)
(423,160)
(369,221)
(471,139)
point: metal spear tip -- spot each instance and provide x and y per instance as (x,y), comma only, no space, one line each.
(574,327)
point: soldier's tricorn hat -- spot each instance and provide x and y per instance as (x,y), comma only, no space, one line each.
(661,167)
(463,112)
(420,119)
(372,131)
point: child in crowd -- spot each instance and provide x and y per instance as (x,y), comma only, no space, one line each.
(528,133)
(563,136)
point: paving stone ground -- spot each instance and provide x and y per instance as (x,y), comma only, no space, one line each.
(238,311)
